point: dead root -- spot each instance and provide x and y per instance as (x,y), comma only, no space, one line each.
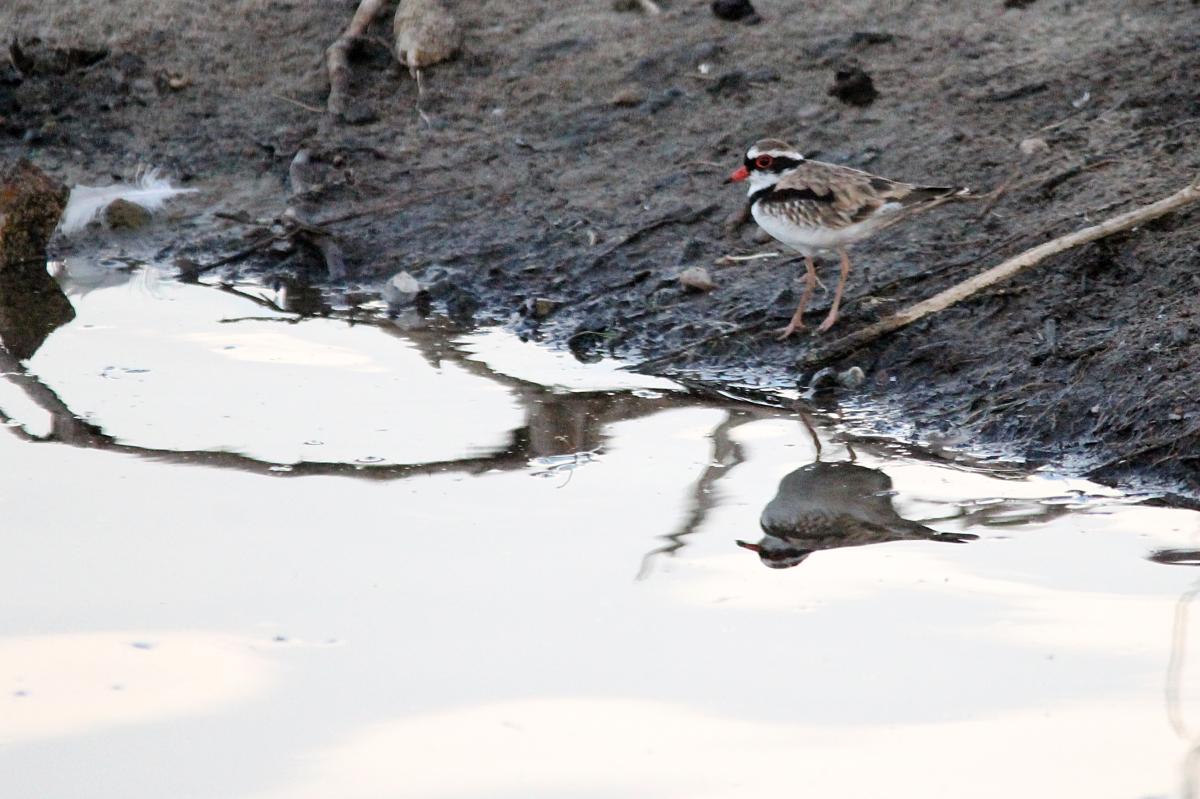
(1001,272)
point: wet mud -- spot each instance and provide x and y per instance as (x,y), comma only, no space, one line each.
(569,164)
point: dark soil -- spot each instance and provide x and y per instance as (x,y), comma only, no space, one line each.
(577,153)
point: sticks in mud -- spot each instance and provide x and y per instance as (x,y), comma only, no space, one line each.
(1003,271)
(292,227)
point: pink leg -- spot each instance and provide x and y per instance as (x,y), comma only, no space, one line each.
(837,294)
(810,281)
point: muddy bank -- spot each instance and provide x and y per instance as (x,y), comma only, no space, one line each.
(577,155)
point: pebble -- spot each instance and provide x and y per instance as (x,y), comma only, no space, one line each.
(853,86)
(829,378)
(696,278)
(125,215)
(1034,145)
(626,98)
(852,377)
(728,83)
(401,290)
(541,307)
(733,10)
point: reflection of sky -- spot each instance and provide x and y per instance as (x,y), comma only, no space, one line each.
(486,636)
(158,372)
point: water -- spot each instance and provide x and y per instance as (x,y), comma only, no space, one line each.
(267,557)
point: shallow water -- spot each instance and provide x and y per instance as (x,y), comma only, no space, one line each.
(285,558)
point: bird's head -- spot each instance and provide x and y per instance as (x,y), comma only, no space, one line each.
(766,162)
(777,553)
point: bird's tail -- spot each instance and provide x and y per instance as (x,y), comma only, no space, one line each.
(939,194)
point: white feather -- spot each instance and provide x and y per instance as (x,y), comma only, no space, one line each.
(149,191)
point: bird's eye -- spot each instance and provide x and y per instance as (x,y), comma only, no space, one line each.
(763,161)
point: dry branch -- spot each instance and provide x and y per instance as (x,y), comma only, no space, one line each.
(1003,271)
(337,55)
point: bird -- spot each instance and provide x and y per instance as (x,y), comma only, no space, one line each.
(815,207)
(834,505)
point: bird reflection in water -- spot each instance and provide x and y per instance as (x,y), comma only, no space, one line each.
(833,505)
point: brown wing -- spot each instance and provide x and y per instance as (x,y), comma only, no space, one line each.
(834,197)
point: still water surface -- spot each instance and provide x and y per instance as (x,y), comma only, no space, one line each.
(246,555)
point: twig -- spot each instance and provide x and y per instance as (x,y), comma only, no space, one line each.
(994,196)
(1047,186)
(1003,271)
(241,254)
(736,259)
(298,104)
(337,55)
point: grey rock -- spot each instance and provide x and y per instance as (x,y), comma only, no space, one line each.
(400,291)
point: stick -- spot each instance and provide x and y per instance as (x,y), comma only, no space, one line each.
(1003,271)
(298,104)
(994,196)
(735,259)
(337,55)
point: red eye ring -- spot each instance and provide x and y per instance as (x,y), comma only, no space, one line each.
(763,161)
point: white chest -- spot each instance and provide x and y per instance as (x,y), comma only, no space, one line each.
(811,239)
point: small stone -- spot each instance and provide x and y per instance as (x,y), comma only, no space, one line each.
(543,307)
(625,5)
(400,291)
(1034,145)
(696,278)
(728,83)
(852,377)
(626,97)
(178,82)
(125,215)
(853,86)
(733,10)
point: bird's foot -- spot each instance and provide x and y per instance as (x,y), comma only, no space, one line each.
(783,333)
(828,323)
